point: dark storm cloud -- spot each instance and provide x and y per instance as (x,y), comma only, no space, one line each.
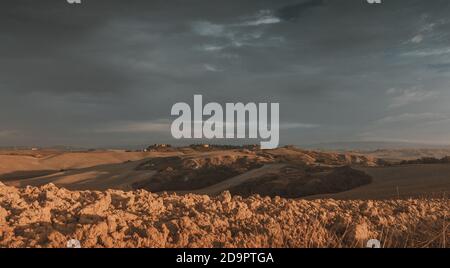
(441,67)
(294,11)
(108,71)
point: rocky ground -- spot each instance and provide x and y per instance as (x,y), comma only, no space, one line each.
(49,216)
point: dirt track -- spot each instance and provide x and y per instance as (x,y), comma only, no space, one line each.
(235,181)
(111,176)
(77,171)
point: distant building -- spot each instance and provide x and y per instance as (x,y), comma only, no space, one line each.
(157,147)
(201,146)
(251,146)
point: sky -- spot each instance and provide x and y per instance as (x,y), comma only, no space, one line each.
(107,72)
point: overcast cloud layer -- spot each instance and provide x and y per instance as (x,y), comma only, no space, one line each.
(108,72)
